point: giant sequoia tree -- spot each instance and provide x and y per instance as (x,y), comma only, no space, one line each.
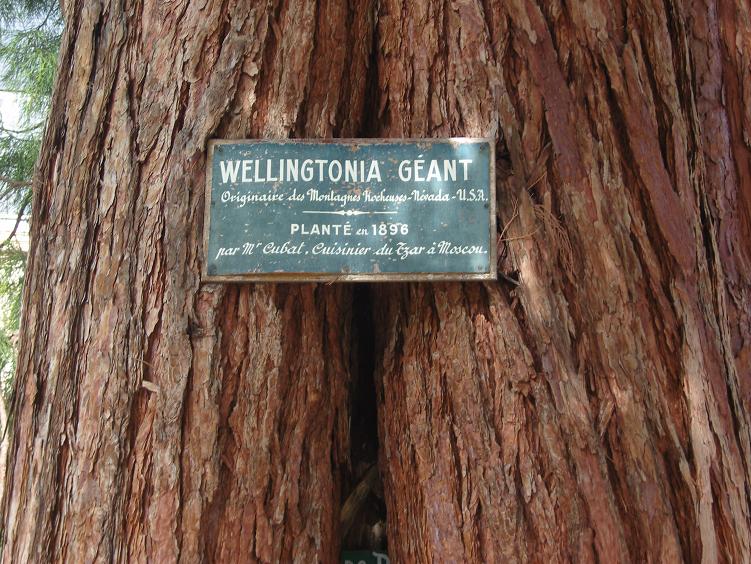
(593,404)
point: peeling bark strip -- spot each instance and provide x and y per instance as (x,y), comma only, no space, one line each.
(598,411)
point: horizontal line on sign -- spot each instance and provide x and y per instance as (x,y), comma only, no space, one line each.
(351,212)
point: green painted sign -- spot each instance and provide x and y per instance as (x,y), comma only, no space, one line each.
(350,210)
(364,557)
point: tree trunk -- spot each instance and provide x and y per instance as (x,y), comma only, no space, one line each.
(591,405)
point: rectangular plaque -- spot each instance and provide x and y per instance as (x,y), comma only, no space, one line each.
(359,209)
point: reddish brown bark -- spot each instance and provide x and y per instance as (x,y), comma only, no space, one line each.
(157,418)
(599,410)
(595,409)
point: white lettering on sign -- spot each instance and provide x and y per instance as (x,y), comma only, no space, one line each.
(414,170)
(350,171)
(291,170)
(321,229)
(229,170)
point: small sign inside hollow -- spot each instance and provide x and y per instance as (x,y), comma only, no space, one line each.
(357,209)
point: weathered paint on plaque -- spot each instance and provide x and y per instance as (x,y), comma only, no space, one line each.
(359,209)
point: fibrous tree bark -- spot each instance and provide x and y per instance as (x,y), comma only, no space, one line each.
(591,405)
(598,410)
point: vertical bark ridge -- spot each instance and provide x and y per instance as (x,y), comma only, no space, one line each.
(150,435)
(631,356)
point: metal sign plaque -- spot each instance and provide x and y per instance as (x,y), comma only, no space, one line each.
(360,209)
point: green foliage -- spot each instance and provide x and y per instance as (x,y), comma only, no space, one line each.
(29,41)
(12,261)
(18,156)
